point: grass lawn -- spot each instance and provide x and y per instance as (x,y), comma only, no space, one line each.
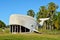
(32,36)
(29,36)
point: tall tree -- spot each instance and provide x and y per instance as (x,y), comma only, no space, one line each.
(58,19)
(51,13)
(42,13)
(31,13)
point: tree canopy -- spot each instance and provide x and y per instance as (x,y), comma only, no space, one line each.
(49,11)
(2,24)
(31,13)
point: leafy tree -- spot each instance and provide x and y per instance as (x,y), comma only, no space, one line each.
(58,20)
(52,7)
(42,13)
(2,24)
(31,13)
(51,13)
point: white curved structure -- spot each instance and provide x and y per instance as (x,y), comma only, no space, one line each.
(21,23)
(42,21)
(17,20)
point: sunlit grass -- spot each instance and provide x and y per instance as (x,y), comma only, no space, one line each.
(32,36)
(29,36)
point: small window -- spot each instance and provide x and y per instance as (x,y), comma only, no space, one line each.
(31,25)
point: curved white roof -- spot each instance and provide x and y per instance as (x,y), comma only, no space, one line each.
(23,16)
(25,21)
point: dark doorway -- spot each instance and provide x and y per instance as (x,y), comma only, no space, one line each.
(22,29)
(11,28)
(27,30)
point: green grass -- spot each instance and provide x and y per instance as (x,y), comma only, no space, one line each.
(46,35)
(29,37)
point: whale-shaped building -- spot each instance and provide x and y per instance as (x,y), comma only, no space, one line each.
(21,23)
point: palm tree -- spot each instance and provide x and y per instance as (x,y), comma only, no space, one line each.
(31,13)
(51,10)
(42,13)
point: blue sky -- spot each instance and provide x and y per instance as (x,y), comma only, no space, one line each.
(8,7)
